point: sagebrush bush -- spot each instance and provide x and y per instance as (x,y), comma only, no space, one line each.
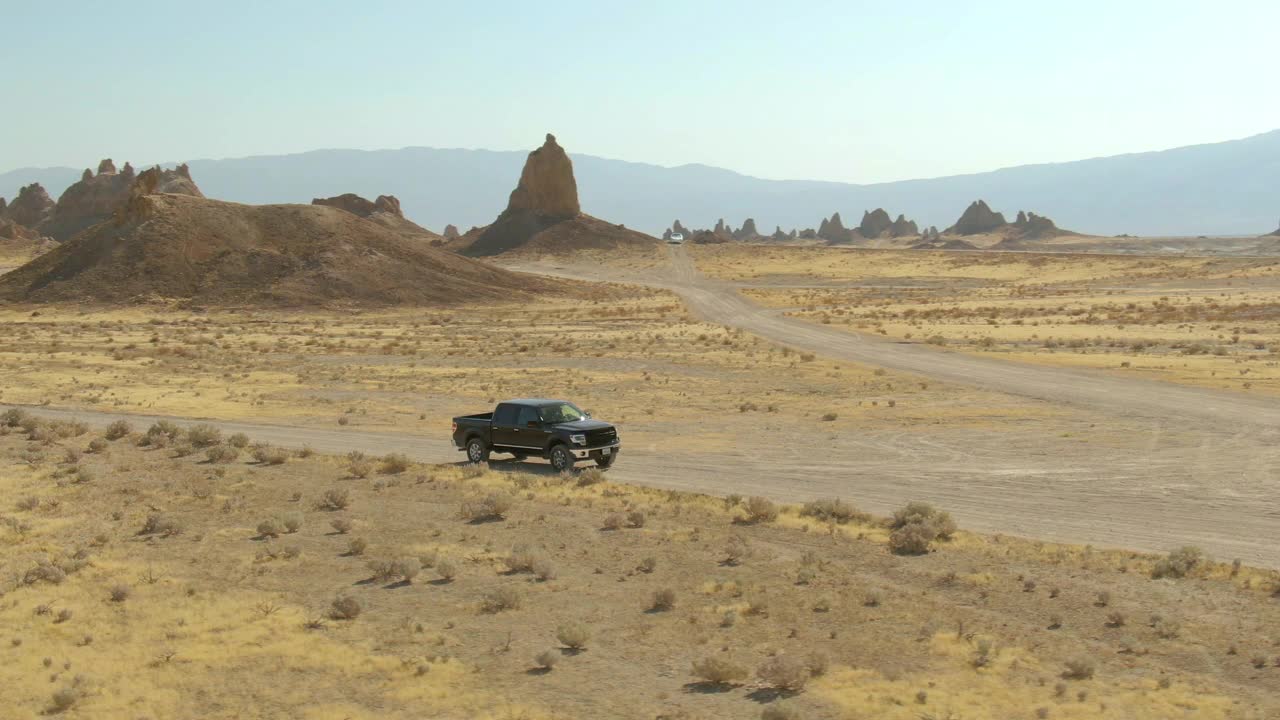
(119,593)
(342,526)
(345,607)
(292,521)
(221,454)
(159,524)
(719,671)
(663,600)
(914,539)
(499,599)
(573,635)
(760,510)
(1179,564)
(916,526)
(492,507)
(833,510)
(335,499)
(784,672)
(271,527)
(64,699)
(546,659)
(117,430)
(239,441)
(590,476)
(356,546)
(203,435)
(394,464)
(636,519)
(1080,668)
(446,570)
(267,455)
(613,521)
(96,445)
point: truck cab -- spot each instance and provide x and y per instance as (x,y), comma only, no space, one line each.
(553,429)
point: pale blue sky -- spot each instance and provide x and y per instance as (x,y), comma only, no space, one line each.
(852,91)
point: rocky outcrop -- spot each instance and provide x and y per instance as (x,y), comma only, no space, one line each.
(350,202)
(1033,226)
(451,232)
(902,227)
(747,231)
(385,211)
(809,234)
(874,223)
(32,206)
(833,230)
(543,215)
(676,227)
(96,198)
(977,219)
(720,228)
(547,187)
(779,235)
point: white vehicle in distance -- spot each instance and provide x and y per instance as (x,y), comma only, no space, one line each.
(676,238)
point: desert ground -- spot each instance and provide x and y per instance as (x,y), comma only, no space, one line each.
(238,435)
(153,571)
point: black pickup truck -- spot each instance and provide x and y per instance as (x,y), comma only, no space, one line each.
(552,429)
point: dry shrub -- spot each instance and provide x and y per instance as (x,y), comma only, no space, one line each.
(14,417)
(267,455)
(521,559)
(394,464)
(719,671)
(635,519)
(736,551)
(356,546)
(499,599)
(590,476)
(916,526)
(64,699)
(1080,668)
(614,521)
(158,524)
(345,607)
(833,510)
(760,510)
(446,570)
(271,527)
(335,499)
(292,521)
(358,465)
(543,569)
(44,572)
(1180,563)
(204,435)
(119,593)
(663,600)
(546,659)
(573,635)
(784,672)
(221,454)
(492,507)
(239,441)
(96,446)
(342,526)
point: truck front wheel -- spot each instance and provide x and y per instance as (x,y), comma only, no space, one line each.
(561,458)
(477,450)
(605,462)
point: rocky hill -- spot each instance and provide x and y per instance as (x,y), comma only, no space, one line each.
(979,220)
(162,247)
(543,215)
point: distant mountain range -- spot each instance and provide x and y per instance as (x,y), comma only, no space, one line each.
(1226,188)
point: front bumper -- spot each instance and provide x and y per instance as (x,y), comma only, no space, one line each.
(596,453)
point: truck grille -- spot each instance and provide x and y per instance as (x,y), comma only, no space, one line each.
(602,437)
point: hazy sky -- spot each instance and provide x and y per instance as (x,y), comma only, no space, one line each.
(852,91)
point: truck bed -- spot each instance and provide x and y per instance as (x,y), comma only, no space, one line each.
(479,416)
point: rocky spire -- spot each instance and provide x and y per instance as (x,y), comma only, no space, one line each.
(32,206)
(547,186)
(978,218)
(107,167)
(874,223)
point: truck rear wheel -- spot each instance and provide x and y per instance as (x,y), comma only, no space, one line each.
(561,458)
(477,450)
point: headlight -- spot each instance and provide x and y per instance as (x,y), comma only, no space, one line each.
(578,439)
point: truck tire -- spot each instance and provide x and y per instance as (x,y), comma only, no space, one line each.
(561,458)
(606,461)
(477,450)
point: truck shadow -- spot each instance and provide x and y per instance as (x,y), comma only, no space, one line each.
(511,465)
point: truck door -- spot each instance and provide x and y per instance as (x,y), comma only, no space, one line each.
(530,430)
(502,427)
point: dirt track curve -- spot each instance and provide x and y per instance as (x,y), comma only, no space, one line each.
(1140,464)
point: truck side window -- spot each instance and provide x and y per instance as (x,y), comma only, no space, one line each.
(527,415)
(505,415)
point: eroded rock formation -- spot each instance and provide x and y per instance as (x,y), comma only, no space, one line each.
(977,219)
(547,187)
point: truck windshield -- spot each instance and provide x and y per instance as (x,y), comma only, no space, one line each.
(561,413)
